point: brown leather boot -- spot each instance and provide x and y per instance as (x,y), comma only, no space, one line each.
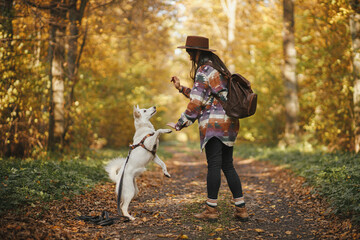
(241,214)
(210,214)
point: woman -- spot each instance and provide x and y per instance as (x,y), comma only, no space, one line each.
(217,131)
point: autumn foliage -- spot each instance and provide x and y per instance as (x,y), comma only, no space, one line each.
(126,56)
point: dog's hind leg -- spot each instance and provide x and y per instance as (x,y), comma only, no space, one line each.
(159,162)
(127,195)
(136,188)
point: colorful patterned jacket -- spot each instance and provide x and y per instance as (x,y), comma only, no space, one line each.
(204,107)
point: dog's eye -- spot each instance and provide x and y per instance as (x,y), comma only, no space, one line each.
(144,110)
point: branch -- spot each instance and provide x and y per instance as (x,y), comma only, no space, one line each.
(81,47)
(82,9)
(105,4)
(43,7)
(48,6)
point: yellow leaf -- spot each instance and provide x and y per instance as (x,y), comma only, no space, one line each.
(183,236)
(259,230)
(218,229)
(166,235)
(288,232)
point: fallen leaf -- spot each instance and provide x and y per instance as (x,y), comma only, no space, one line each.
(55,227)
(288,232)
(169,235)
(259,230)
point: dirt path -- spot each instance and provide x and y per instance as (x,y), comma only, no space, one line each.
(279,207)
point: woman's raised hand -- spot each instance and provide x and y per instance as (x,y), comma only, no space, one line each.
(176,81)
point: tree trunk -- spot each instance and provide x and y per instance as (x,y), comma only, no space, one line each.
(355,35)
(289,74)
(229,8)
(73,56)
(57,76)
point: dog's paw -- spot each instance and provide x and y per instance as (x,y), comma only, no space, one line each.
(129,218)
(167,175)
(165,130)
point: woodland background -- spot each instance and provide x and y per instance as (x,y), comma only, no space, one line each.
(72,70)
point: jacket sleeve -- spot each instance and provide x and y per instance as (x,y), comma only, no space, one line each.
(186,91)
(197,100)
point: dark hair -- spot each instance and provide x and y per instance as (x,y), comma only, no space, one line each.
(205,56)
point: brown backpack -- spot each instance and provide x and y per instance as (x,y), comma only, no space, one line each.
(241,100)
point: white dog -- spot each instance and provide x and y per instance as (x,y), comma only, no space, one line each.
(145,144)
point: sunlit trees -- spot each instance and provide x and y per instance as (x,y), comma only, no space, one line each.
(8,77)
(23,84)
(325,73)
(71,70)
(129,65)
(319,89)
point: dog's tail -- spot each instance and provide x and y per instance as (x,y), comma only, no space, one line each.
(113,168)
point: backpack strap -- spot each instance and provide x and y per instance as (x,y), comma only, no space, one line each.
(222,72)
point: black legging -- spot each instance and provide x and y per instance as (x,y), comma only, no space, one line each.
(219,157)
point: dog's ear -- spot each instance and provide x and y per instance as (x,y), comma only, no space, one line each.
(137,106)
(136,112)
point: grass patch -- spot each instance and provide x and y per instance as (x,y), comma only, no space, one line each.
(336,176)
(34,182)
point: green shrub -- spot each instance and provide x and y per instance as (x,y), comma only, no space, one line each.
(33,181)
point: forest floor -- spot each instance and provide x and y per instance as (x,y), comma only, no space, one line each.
(279,205)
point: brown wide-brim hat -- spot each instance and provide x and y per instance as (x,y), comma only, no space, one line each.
(197,42)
